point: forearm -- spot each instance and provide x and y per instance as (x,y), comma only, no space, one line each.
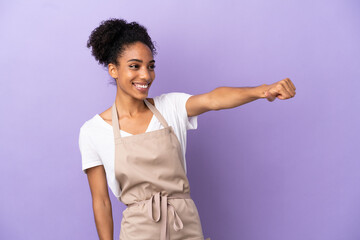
(230,97)
(103,219)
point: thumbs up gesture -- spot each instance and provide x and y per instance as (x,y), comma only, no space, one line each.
(283,89)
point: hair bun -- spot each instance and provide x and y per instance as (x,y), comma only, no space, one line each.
(108,40)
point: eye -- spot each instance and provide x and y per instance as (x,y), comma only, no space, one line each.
(152,67)
(134,66)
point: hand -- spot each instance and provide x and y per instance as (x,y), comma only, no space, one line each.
(283,89)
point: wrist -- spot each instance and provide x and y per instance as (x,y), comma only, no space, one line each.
(260,90)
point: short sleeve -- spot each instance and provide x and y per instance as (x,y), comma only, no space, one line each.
(89,156)
(180,100)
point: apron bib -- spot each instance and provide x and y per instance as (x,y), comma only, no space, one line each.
(150,170)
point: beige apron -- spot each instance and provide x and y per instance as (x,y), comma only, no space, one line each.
(150,170)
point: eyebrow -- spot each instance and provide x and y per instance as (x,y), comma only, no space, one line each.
(137,60)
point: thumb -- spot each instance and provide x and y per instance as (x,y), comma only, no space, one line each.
(270,96)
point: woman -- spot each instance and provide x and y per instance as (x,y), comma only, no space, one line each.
(137,146)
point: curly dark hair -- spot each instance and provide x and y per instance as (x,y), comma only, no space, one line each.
(109,40)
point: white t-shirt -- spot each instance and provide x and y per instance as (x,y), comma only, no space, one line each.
(96,137)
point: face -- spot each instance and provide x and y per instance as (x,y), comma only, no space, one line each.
(135,71)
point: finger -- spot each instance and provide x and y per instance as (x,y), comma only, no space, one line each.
(290,89)
(283,91)
(292,84)
(286,88)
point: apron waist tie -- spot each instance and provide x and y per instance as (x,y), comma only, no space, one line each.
(161,206)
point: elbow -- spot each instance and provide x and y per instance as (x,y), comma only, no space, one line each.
(214,99)
(101,202)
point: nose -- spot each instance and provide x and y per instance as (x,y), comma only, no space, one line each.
(145,75)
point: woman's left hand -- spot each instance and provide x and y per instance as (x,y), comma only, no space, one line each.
(283,89)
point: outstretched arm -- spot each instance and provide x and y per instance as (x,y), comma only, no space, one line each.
(230,97)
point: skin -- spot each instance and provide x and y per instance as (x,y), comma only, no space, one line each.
(136,65)
(134,116)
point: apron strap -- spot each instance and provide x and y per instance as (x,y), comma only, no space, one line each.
(156,113)
(115,118)
(115,121)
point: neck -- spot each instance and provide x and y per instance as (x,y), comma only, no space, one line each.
(128,106)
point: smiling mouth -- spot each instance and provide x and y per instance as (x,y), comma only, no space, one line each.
(137,85)
(142,86)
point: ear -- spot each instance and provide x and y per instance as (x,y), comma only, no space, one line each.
(113,70)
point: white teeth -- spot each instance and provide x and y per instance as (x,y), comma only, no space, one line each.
(142,86)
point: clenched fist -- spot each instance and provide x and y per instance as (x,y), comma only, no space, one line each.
(283,89)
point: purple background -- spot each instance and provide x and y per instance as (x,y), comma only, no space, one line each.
(266,170)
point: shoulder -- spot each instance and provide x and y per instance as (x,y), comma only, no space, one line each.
(173,95)
(106,115)
(88,124)
(173,106)
(91,127)
(171,98)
